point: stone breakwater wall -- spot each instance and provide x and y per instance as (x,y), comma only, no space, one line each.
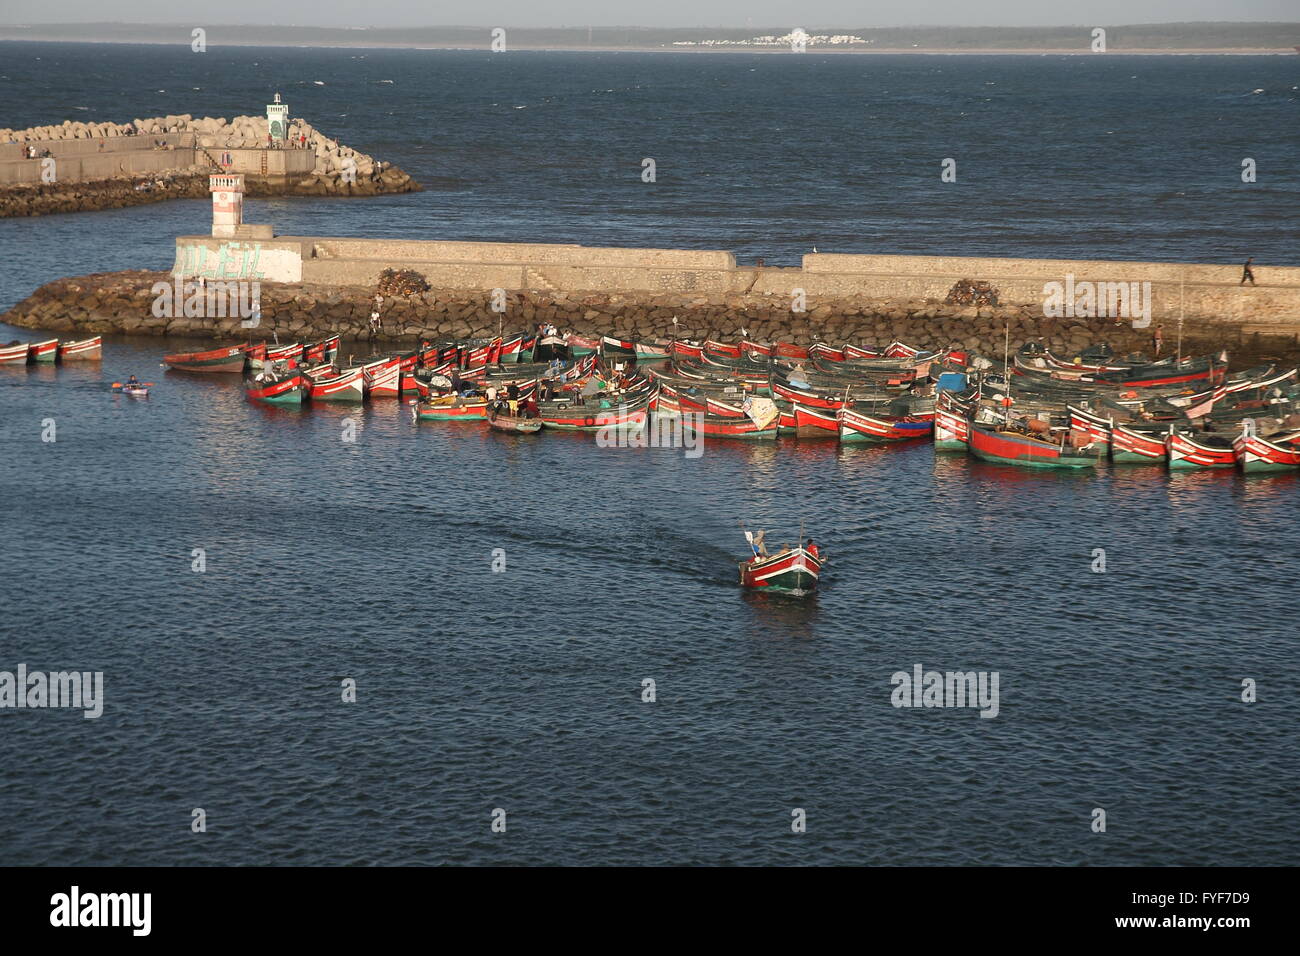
(123,303)
(107,155)
(1161,292)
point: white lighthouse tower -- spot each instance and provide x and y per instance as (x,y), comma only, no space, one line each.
(277,119)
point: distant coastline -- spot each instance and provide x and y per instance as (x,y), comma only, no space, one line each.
(1188,39)
(701,51)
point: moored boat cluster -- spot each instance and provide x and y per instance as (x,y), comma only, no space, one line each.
(1039,411)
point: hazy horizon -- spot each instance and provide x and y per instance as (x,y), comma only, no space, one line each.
(682,14)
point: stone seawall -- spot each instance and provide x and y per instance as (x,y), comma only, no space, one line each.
(122,302)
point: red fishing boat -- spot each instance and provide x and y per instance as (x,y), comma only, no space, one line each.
(1204,451)
(816,422)
(951,430)
(823,352)
(900,350)
(793,571)
(718,426)
(451,408)
(806,397)
(788,350)
(1137,446)
(86,350)
(857,352)
(858,426)
(229,359)
(383,378)
(15,353)
(289,389)
(47,351)
(325,351)
(1255,454)
(328,384)
(1094,427)
(721,349)
(688,349)
(1013,448)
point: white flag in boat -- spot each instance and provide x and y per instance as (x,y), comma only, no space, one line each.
(761,411)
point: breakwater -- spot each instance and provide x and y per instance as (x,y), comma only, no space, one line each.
(124,303)
(84,166)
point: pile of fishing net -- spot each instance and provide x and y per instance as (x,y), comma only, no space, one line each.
(970,292)
(402,282)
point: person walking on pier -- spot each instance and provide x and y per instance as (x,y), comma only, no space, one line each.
(1247,272)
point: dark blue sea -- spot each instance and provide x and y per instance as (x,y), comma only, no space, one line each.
(522,690)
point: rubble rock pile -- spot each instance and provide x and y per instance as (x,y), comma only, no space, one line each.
(970,292)
(401,282)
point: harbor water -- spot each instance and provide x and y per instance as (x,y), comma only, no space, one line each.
(500,600)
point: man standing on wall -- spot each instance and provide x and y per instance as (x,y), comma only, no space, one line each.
(1247,272)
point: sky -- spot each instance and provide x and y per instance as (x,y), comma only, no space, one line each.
(653,13)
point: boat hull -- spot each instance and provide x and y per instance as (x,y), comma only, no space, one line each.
(87,350)
(228,360)
(1256,455)
(1007,448)
(463,412)
(288,391)
(792,572)
(15,354)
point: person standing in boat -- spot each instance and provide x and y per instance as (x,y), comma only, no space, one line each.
(813,550)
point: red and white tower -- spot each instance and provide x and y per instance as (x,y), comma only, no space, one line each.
(227,203)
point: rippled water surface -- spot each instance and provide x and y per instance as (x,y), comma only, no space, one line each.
(522,690)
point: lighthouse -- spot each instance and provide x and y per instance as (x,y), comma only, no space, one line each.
(277,119)
(227,203)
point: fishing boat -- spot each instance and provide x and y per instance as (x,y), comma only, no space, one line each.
(267,354)
(451,408)
(1013,448)
(383,378)
(815,422)
(1096,428)
(1255,454)
(617,347)
(856,426)
(85,350)
(230,359)
(566,416)
(793,571)
(328,384)
(653,351)
(290,389)
(135,391)
(951,430)
(1203,451)
(1129,445)
(15,353)
(47,351)
(321,353)
(504,422)
(725,426)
